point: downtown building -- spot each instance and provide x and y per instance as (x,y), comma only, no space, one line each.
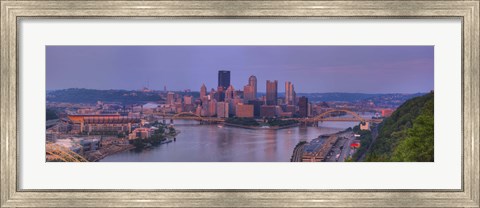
(223,79)
(250,90)
(272,90)
(222,110)
(290,95)
(303,107)
(244,111)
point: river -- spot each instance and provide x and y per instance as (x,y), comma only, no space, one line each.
(211,143)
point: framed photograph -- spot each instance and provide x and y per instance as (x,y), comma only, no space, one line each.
(239,103)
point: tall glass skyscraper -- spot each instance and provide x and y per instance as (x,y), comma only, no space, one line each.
(224,79)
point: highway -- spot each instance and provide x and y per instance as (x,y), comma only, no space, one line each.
(341,148)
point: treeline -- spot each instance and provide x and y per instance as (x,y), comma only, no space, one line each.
(76,95)
(242,121)
(279,122)
(407,135)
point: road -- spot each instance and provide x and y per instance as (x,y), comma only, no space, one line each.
(341,148)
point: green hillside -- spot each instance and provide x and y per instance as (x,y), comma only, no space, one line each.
(406,136)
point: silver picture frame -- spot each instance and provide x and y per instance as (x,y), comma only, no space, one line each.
(14,11)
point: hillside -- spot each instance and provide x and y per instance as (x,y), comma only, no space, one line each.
(76,95)
(408,134)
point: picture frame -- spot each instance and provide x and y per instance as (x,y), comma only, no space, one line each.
(13,11)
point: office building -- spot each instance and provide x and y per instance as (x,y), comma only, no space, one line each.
(224,79)
(222,110)
(303,106)
(256,107)
(252,81)
(248,93)
(212,108)
(230,93)
(272,95)
(244,111)
(219,94)
(203,91)
(289,94)
(268,111)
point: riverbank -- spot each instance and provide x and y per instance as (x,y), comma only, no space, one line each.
(262,127)
(110,150)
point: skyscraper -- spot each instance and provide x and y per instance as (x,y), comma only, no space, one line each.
(220,94)
(303,106)
(248,93)
(230,93)
(224,79)
(272,92)
(252,81)
(289,93)
(203,91)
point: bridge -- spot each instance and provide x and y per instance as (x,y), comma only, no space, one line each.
(191,116)
(59,153)
(326,116)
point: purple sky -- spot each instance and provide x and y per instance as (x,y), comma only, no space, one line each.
(366,69)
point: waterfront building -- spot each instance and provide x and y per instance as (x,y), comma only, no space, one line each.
(212,108)
(222,110)
(268,111)
(203,91)
(233,105)
(223,79)
(272,89)
(256,106)
(303,106)
(244,111)
(141,133)
(290,95)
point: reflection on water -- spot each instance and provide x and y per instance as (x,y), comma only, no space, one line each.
(210,143)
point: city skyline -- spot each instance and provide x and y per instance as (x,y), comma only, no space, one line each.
(364,69)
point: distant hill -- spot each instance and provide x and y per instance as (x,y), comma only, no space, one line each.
(408,134)
(337,96)
(351,97)
(76,95)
